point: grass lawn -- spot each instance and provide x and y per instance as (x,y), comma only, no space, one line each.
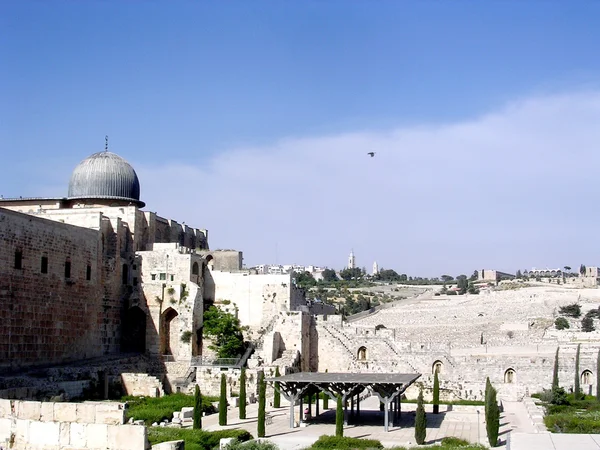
(577,416)
(156,409)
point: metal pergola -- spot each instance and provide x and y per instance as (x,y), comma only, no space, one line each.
(388,387)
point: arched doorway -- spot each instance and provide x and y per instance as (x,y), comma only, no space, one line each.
(362,354)
(586,377)
(437,367)
(510,376)
(210,261)
(134,331)
(166,338)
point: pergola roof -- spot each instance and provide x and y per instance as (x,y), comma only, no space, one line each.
(404,379)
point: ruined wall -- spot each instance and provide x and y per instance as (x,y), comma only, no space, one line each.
(26,425)
(224,260)
(49,318)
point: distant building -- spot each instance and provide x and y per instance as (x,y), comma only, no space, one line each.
(351,260)
(375,269)
(493,275)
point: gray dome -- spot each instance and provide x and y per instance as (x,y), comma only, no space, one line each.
(105,175)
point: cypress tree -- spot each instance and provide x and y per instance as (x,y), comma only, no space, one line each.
(598,377)
(262,401)
(492,420)
(577,387)
(436,393)
(488,388)
(197,408)
(555,373)
(277,394)
(326,398)
(339,418)
(243,394)
(223,402)
(420,421)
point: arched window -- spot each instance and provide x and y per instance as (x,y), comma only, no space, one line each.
(210,261)
(437,367)
(195,270)
(362,354)
(586,377)
(509,376)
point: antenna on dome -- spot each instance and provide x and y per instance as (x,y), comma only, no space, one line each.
(106,143)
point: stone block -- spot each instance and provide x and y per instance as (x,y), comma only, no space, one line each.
(5,408)
(77,435)
(65,412)
(96,435)
(44,434)
(64,434)
(86,413)
(22,431)
(5,429)
(170,445)
(28,410)
(224,442)
(110,413)
(126,437)
(47,412)
(187,413)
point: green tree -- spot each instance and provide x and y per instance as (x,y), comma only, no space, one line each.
(436,393)
(561,323)
(223,402)
(197,408)
(471,289)
(277,394)
(518,274)
(243,393)
(492,420)
(226,332)
(555,372)
(587,324)
(577,388)
(339,418)
(349,274)
(304,280)
(329,275)
(262,401)
(446,278)
(462,284)
(420,421)
(582,269)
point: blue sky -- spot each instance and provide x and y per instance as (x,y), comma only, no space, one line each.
(268,109)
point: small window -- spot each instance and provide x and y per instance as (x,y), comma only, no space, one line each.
(67,269)
(172,277)
(153,276)
(44,265)
(88,273)
(18,259)
(195,269)
(163,276)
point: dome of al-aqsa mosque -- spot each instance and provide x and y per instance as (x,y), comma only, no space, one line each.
(105,176)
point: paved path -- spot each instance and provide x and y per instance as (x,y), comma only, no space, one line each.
(462,422)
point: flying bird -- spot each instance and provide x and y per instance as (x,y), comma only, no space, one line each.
(371,154)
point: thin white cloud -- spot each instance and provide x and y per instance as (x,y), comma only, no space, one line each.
(508,190)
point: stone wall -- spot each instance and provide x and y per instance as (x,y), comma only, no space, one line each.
(28,425)
(49,317)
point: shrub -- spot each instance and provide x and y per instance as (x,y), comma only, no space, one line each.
(197,408)
(561,323)
(243,394)
(420,421)
(251,445)
(223,402)
(587,324)
(573,310)
(559,396)
(186,337)
(339,418)
(344,443)
(262,393)
(195,439)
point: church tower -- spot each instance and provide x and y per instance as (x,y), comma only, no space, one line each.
(351,260)
(375,269)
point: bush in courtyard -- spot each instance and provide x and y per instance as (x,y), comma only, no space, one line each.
(339,418)
(573,310)
(559,396)
(243,394)
(277,394)
(561,323)
(223,402)
(420,421)
(195,439)
(492,419)
(197,408)
(262,394)
(251,445)
(587,324)
(436,393)
(345,443)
